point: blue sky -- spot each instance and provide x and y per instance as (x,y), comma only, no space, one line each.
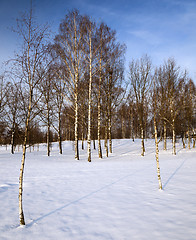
(160,28)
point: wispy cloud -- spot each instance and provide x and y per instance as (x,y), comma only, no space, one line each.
(150,37)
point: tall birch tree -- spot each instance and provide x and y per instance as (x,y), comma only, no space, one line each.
(27,63)
(69,50)
(155,101)
(90,49)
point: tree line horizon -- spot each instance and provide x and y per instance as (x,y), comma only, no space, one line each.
(74,87)
(120,107)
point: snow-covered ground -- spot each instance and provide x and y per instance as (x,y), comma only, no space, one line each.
(112,198)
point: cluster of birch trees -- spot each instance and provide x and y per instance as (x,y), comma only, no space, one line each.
(165,93)
(73,87)
(70,86)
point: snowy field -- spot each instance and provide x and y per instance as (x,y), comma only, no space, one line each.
(114,198)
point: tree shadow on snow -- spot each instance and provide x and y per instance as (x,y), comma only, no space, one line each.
(173,174)
(79,199)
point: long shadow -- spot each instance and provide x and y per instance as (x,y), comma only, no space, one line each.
(173,174)
(7,186)
(79,199)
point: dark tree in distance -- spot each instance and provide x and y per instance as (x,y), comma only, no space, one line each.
(140,79)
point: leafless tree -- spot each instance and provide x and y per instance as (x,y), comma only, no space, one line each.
(2,94)
(69,50)
(140,78)
(171,75)
(27,65)
(155,107)
(46,104)
(59,91)
(13,113)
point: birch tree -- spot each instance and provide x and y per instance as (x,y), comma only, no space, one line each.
(27,64)
(59,90)
(3,126)
(103,41)
(171,77)
(46,105)
(69,50)
(105,38)
(114,81)
(90,31)
(2,95)
(155,100)
(190,110)
(186,118)
(13,113)
(140,79)
(91,50)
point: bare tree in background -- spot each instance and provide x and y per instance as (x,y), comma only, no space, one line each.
(171,75)
(105,39)
(161,84)
(2,95)
(13,113)
(139,74)
(59,91)
(46,104)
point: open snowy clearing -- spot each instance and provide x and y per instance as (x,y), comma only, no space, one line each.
(112,198)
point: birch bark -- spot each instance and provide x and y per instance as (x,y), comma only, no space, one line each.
(59,133)
(157,154)
(21,214)
(99,108)
(89,96)
(31,57)
(165,135)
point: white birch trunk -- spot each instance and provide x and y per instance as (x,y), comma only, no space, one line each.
(174,137)
(106,139)
(76,126)
(157,155)
(48,133)
(165,135)
(76,91)
(59,133)
(76,133)
(21,214)
(110,115)
(99,114)
(89,102)
(110,134)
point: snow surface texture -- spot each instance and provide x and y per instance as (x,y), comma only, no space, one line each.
(112,198)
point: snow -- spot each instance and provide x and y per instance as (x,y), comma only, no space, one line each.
(113,198)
